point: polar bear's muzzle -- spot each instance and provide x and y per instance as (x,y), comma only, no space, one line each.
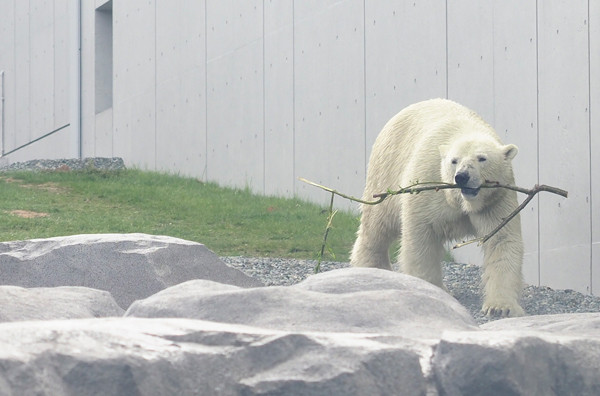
(465,182)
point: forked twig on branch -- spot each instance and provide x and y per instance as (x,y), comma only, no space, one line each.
(418,187)
(530,194)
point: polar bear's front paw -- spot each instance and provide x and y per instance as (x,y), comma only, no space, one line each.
(502,309)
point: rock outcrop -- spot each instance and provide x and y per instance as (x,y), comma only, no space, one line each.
(204,328)
(350,300)
(46,303)
(129,266)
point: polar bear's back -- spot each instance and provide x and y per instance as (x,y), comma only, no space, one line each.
(411,139)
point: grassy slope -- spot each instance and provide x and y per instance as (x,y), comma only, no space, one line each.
(228,221)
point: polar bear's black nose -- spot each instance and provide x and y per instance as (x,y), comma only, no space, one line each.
(461,178)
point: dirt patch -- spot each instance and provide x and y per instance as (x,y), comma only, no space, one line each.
(49,186)
(27,214)
(9,179)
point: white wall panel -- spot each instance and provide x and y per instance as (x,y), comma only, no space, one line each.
(62,55)
(88,73)
(235,127)
(103,137)
(405,47)
(122,130)
(143,124)
(41,32)
(180,124)
(193,157)
(329,99)
(180,79)
(470,55)
(279,98)
(564,144)
(134,95)
(7,64)
(193,87)
(515,108)
(169,39)
(235,140)
(22,132)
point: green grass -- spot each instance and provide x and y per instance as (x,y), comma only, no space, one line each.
(228,221)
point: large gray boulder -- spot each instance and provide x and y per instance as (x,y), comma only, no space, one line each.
(543,355)
(117,356)
(359,300)
(353,331)
(45,303)
(135,356)
(129,266)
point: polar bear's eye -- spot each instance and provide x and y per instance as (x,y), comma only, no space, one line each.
(481,158)
(454,161)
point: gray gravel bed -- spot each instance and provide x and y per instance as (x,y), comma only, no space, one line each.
(71,164)
(462,281)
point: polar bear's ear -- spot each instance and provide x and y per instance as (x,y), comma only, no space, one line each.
(510,151)
(444,149)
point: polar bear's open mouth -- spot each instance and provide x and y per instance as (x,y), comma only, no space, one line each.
(469,192)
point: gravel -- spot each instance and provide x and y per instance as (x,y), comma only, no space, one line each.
(462,281)
(105,164)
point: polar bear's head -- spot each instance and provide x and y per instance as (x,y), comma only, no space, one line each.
(470,162)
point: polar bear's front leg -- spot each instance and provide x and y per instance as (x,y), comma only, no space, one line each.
(421,252)
(375,235)
(370,251)
(502,272)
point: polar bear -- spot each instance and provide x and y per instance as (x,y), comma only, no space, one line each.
(440,140)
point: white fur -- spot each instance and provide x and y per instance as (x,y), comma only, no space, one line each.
(435,140)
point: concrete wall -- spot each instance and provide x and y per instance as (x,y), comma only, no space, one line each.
(37,79)
(257,93)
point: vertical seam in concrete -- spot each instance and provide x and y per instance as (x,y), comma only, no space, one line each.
(53,65)
(14,70)
(365,87)
(205,90)
(446,4)
(493,65)
(537,121)
(79,49)
(264,126)
(294,98)
(29,138)
(591,291)
(155,88)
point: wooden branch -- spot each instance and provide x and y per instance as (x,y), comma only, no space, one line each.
(530,194)
(332,191)
(418,187)
(536,189)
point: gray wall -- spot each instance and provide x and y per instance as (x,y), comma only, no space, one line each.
(258,93)
(37,89)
